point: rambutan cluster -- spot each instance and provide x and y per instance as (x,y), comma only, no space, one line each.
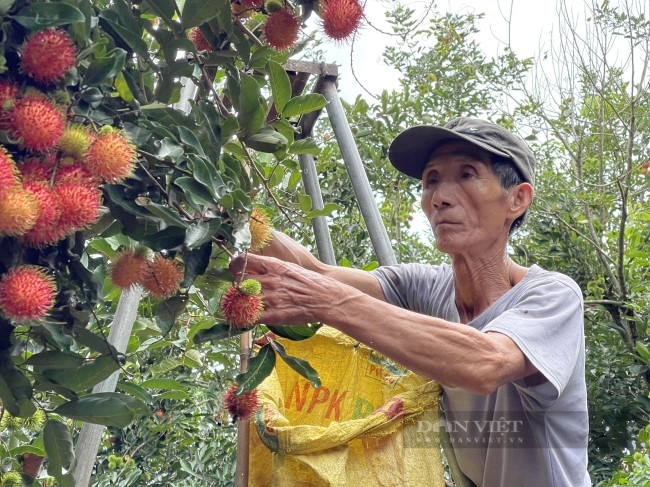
(242,304)
(52,169)
(241,406)
(159,276)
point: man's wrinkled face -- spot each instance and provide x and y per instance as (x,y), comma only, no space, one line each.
(463,199)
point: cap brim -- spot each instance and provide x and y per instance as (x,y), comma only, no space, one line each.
(410,151)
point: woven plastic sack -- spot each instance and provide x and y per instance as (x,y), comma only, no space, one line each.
(359,428)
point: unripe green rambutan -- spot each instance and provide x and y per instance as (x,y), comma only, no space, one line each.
(46,230)
(27,293)
(273,5)
(251,287)
(75,140)
(48,55)
(9,422)
(110,157)
(260,230)
(9,175)
(240,309)
(79,205)
(162,276)
(18,211)
(242,406)
(11,479)
(37,122)
(281,29)
(128,269)
(35,422)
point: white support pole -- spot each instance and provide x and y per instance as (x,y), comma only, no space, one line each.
(91,434)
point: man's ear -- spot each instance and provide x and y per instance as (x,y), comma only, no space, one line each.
(521,197)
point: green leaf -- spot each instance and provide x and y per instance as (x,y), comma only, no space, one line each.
(15,390)
(161,383)
(304,146)
(166,239)
(167,365)
(202,324)
(93,341)
(206,173)
(196,261)
(58,446)
(188,137)
(266,140)
(166,214)
(643,351)
(168,311)
(199,233)
(106,408)
(327,210)
(196,193)
(177,395)
(135,390)
(130,34)
(224,16)
(195,12)
(280,85)
(217,332)
(5,6)
(105,68)
(295,333)
(299,365)
(164,8)
(192,358)
(55,359)
(259,368)
(304,200)
(92,373)
(302,104)
(42,15)
(252,108)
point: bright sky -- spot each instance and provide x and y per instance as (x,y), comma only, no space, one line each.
(530,27)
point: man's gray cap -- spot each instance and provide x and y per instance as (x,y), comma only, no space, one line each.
(411,150)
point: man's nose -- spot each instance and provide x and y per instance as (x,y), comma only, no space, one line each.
(443,195)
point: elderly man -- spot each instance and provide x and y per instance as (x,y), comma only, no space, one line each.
(505,341)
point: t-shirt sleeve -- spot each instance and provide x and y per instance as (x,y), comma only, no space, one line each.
(402,284)
(547,324)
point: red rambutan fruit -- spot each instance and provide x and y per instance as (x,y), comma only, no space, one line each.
(128,269)
(110,157)
(241,406)
(199,40)
(9,175)
(48,55)
(27,293)
(76,173)
(260,229)
(341,18)
(240,308)
(8,93)
(46,230)
(37,122)
(79,205)
(37,169)
(75,140)
(162,276)
(281,29)
(18,211)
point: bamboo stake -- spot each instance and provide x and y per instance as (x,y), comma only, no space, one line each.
(243,427)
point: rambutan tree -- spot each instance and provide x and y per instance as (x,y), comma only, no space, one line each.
(115,173)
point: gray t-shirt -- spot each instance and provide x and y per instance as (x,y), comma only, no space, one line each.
(519,435)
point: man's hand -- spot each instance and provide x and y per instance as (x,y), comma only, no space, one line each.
(292,295)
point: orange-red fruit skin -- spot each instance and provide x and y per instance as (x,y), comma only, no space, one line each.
(37,122)
(79,205)
(128,269)
(199,40)
(27,293)
(18,211)
(162,276)
(341,18)
(241,406)
(240,309)
(8,170)
(46,230)
(48,55)
(281,29)
(110,157)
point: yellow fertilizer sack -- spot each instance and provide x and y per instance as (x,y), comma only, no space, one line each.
(362,427)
